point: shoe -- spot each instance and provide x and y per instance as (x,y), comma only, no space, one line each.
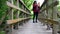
(33,22)
(36,22)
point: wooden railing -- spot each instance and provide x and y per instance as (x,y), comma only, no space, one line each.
(50,21)
(50,6)
(15,7)
(16,15)
(54,24)
(16,20)
(48,16)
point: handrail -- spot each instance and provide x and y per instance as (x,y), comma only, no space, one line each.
(13,6)
(16,20)
(50,20)
(51,5)
(45,1)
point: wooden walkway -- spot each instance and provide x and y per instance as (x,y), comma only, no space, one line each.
(32,28)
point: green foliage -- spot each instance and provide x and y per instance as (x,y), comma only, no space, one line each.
(28,3)
(3,7)
(2,32)
(14,2)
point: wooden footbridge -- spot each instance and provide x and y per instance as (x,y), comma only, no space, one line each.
(20,22)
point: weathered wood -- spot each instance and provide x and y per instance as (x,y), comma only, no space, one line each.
(13,6)
(0,22)
(50,6)
(49,21)
(15,20)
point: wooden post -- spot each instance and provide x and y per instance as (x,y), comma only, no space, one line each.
(17,15)
(11,12)
(59,28)
(18,11)
(10,27)
(54,29)
(48,14)
(55,18)
(12,18)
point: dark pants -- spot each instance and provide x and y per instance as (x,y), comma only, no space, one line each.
(35,15)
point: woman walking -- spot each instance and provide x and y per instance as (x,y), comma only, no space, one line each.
(35,10)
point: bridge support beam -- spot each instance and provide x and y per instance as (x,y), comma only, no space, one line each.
(54,18)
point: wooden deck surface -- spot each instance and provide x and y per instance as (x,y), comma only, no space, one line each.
(32,28)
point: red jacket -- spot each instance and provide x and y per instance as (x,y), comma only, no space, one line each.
(35,8)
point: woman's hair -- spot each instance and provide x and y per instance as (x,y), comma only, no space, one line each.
(34,2)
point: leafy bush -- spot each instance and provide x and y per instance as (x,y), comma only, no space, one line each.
(3,7)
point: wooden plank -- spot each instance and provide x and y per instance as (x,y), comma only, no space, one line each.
(49,20)
(15,20)
(13,6)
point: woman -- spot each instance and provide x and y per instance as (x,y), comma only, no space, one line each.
(35,10)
